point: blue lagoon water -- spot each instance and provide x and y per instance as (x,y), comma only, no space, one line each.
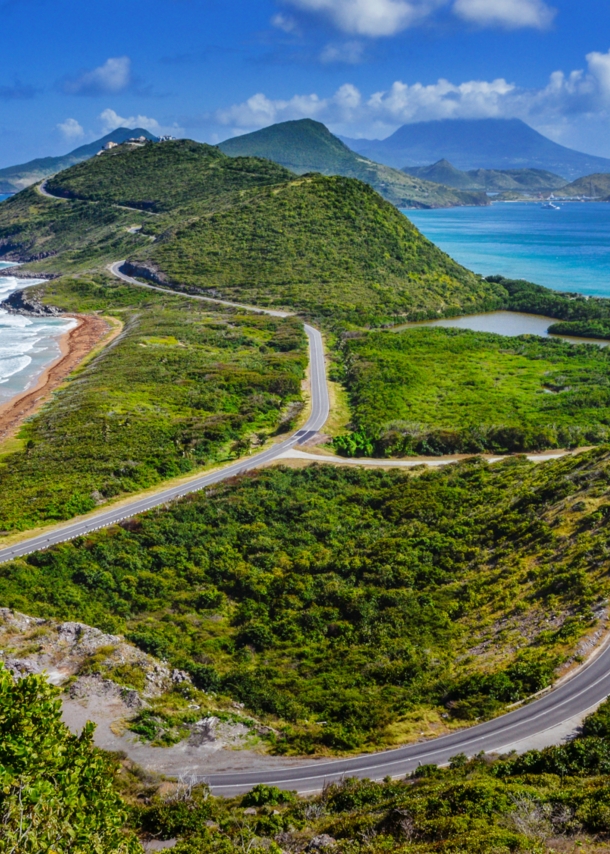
(568,249)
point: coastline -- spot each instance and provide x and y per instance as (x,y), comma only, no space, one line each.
(75,345)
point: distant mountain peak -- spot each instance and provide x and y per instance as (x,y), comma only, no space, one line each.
(470,144)
(305,145)
(15,178)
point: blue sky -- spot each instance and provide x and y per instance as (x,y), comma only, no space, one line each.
(209,69)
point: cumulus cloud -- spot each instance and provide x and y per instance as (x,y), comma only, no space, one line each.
(111,120)
(71,129)
(285,23)
(348,53)
(374,18)
(111,77)
(260,111)
(583,92)
(511,14)
(370,17)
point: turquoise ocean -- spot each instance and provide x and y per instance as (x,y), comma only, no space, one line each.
(567,249)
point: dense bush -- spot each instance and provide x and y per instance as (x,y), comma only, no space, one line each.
(56,789)
(440,391)
(350,605)
(479,806)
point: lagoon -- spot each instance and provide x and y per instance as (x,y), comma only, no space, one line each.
(509,323)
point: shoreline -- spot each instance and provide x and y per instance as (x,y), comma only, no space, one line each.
(75,345)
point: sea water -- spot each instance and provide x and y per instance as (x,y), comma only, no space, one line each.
(566,249)
(28,345)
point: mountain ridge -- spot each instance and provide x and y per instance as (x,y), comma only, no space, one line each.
(488,180)
(16,178)
(478,144)
(308,146)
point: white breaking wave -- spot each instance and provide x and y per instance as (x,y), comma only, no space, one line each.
(27,344)
(9,367)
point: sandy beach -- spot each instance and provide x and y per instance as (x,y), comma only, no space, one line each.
(75,345)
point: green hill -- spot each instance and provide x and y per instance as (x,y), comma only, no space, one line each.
(330,247)
(307,146)
(15,178)
(488,180)
(596,186)
(165,177)
(242,227)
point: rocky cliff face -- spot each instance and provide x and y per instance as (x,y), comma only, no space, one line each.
(19,302)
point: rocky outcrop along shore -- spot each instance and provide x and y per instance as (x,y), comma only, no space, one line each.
(19,302)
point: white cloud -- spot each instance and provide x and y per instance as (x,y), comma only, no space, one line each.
(111,77)
(583,93)
(111,120)
(348,53)
(511,14)
(370,17)
(261,111)
(71,129)
(286,23)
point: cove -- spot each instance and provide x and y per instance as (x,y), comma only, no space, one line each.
(509,323)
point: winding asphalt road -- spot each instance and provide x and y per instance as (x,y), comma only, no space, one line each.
(589,687)
(317,419)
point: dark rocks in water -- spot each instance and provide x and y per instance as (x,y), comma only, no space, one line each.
(20,303)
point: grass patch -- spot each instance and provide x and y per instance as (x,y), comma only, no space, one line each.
(349,608)
(439,391)
(136,415)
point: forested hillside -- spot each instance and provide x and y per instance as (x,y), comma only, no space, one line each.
(352,609)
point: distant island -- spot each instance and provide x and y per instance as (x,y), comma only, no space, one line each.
(478,144)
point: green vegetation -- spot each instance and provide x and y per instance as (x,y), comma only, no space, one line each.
(57,791)
(439,391)
(186,385)
(16,178)
(352,609)
(582,328)
(55,236)
(549,801)
(597,185)
(329,247)
(241,228)
(489,180)
(166,177)
(520,295)
(60,794)
(306,146)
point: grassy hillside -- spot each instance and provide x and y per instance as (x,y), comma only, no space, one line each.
(307,146)
(597,185)
(16,178)
(439,391)
(244,228)
(383,604)
(185,386)
(58,237)
(165,177)
(330,247)
(489,180)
